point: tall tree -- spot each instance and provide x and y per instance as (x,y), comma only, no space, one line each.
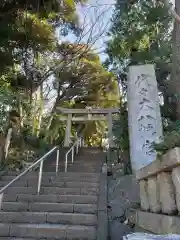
(83,81)
(27,40)
(141,33)
(175,82)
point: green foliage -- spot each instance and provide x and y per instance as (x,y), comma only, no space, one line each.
(121,137)
(30,26)
(120,129)
(29,54)
(141,33)
(171,138)
(83,78)
(28,48)
(83,81)
(170,141)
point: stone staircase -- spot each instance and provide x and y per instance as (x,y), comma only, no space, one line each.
(66,207)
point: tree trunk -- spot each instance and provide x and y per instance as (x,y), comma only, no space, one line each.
(20,108)
(176,62)
(7,142)
(40,112)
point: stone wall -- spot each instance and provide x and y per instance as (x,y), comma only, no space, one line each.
(160,184)
(160,194)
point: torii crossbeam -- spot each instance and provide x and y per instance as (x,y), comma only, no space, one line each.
(91,114)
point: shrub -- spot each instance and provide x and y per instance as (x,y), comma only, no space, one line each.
(170,141)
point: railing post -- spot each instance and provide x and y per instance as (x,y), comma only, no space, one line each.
(40,176)
(1,199)
(82,142)
(57,161)
(72,154)
(77,148)
(65,169)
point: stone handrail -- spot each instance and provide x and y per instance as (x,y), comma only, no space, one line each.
(168,161)
(159,184)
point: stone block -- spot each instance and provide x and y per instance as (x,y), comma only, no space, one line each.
(18,190)
(89,191)
(10,197)
(149,170)
(38,231)
(176,181)
(18,183)
(72,219)
(37,198)
(167,193)
(22,217)
(51,207)
(4,230)
(57,190)
(81,184)
(168,161)
(144,195)
(148,221)
(80,232)
(85,208)
(157,223)
(15,206)
(153,194)
(80,198)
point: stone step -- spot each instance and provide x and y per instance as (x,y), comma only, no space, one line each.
(17,238)
(74,169)
(34,179)
(76,164)
(54,190)
(48,231)
(78,169)
(82,164)
(49,183)
(62,174)
(50,198)
(49,207)
(48,217)
(79,163)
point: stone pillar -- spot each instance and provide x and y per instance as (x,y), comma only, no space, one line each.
(144,195)
(68,131)
(154,194)
(144,117)
(167,193)
(176,181)
(110,132)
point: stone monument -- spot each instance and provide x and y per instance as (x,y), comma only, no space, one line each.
(144,118)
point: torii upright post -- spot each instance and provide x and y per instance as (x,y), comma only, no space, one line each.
(68,131)
(110,135)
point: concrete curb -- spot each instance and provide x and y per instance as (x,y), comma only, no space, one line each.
(102,226)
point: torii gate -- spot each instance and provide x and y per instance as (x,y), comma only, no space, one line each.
(91,114)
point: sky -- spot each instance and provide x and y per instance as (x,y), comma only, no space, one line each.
(95,18)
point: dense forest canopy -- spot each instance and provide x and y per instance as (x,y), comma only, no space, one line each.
(40,72)
(148,32)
